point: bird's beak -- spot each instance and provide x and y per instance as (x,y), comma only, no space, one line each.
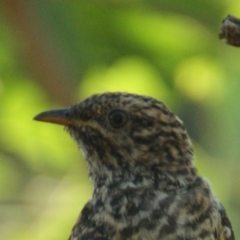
(58,116)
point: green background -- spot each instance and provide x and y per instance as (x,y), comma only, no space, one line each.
(55,53)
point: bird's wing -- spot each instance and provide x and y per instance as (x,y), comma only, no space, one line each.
(224,231)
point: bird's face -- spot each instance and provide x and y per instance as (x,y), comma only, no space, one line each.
(120,131)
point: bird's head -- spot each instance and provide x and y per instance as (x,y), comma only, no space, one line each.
(126,133)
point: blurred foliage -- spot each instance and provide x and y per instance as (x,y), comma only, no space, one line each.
(57,53)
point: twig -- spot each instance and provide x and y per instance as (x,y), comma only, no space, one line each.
(230,30)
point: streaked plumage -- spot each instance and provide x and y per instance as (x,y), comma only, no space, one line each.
(140,161)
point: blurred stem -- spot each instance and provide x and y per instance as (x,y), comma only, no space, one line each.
(40,53)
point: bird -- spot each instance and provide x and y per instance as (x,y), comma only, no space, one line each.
(140,162)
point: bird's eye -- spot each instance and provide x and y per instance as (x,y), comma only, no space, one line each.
(118,118)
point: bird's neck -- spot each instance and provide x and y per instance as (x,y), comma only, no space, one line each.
(142,177)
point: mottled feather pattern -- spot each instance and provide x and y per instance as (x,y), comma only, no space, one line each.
(145,184)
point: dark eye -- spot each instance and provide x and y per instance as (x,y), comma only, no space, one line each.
(118,118)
